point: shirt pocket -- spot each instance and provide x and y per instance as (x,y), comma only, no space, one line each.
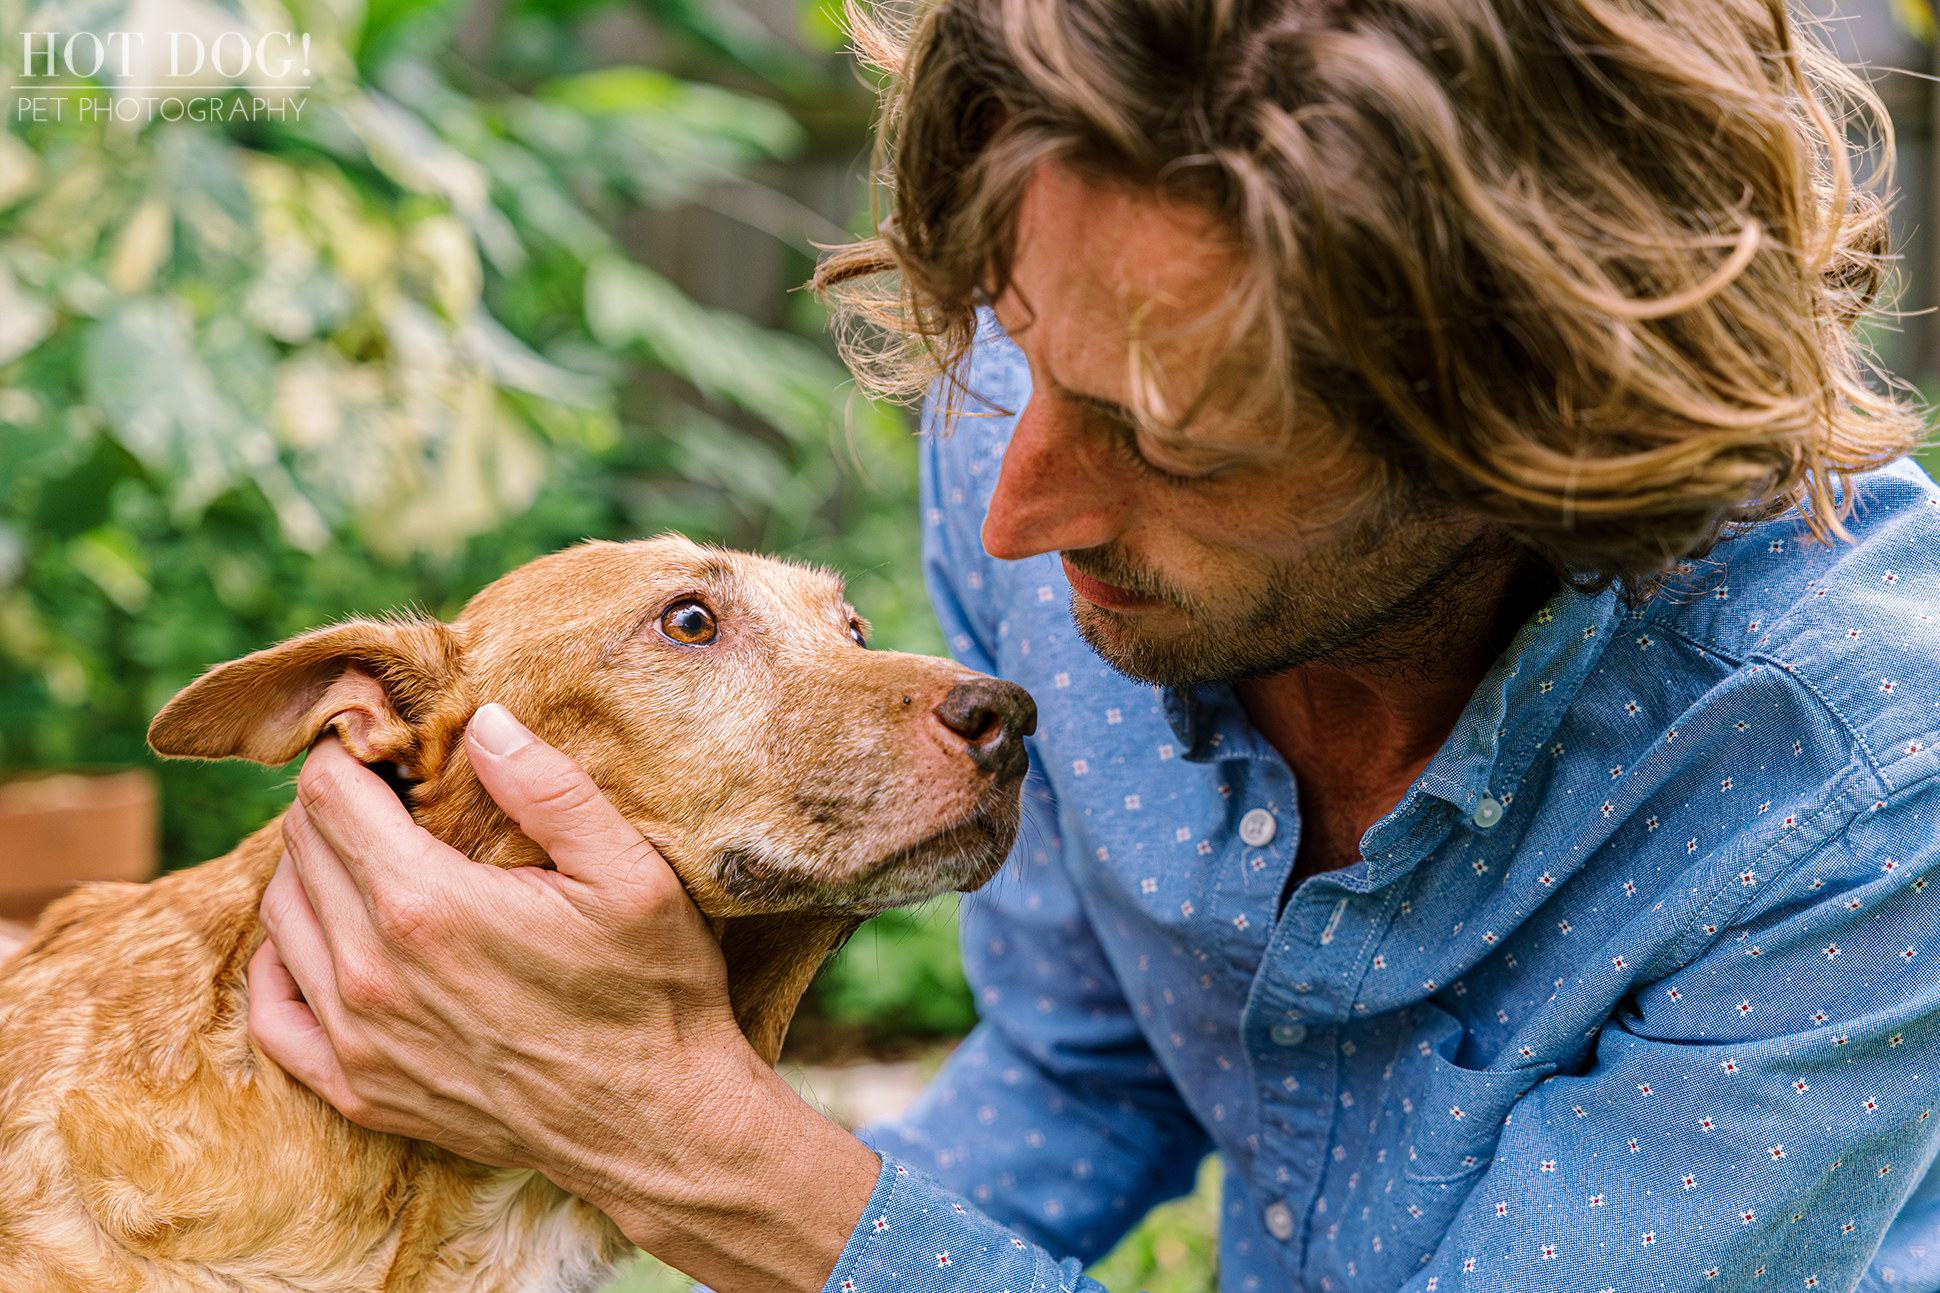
(1452,1127)
(1451,1122)
(1448,1125)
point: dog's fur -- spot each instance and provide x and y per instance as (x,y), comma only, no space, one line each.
(795,781)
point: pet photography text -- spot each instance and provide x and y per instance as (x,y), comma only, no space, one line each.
(138,75)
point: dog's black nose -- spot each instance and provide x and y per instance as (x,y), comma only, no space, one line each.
(995,717)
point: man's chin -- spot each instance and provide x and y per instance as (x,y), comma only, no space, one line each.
(1149,646)
(1168,647)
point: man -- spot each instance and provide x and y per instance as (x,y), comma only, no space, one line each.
(1483,788)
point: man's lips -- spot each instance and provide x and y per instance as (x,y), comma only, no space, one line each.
(1099,593)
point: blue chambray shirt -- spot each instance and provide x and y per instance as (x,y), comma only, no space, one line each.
(1635,988)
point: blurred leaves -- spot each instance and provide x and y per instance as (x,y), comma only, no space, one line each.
(259,374)
(900,974)
(628,303)
(682,129)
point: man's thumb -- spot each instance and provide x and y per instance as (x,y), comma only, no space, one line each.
(556,804)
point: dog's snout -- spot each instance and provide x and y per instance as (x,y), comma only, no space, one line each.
(994,717)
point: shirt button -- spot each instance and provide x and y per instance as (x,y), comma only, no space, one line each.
(1279,1221)
(1488,812)
(1288,1034)
(1258,828)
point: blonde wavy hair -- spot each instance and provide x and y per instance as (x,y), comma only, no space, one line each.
(1586,268)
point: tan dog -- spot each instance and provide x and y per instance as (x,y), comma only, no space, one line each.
(724,703)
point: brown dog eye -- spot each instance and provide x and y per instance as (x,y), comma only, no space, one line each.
(689,623)
(855,631)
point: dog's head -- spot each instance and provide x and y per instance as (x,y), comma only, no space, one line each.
(727,704)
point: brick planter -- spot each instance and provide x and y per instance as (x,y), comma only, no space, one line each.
(58,829)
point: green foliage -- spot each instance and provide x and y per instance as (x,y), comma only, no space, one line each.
(901,974)
(258,376)
(645,1274)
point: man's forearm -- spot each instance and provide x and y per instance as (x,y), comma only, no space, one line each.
(759,1194)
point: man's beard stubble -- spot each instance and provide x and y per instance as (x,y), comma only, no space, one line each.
(1383,600)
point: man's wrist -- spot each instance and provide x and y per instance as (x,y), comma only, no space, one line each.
(741,1185)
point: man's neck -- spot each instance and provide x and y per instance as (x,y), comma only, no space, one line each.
(1358,729)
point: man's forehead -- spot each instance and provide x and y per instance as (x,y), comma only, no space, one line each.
(1105,245)
(1101,266)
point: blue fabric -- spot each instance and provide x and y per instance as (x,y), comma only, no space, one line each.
(1668,1023)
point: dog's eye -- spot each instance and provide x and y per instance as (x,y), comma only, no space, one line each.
(689,623)
(855,631)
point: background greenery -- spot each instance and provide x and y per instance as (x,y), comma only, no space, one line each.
(520,274)
(256,377)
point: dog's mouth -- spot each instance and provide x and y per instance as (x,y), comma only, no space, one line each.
(962,856)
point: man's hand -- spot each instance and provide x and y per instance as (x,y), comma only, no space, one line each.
(575,1021)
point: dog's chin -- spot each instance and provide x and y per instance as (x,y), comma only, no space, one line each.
(961,856)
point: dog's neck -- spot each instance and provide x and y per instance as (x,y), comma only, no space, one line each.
(771,960)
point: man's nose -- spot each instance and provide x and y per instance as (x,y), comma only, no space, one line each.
(1056,490)
(994,717)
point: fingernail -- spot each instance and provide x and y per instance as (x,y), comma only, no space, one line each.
(497,732)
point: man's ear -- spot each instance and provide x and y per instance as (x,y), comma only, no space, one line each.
(370,679)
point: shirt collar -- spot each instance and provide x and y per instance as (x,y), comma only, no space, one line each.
(1189,712)
(1518,704)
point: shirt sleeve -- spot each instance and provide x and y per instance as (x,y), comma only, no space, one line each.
(917,1237)
(1763,1110)
(1053,1116)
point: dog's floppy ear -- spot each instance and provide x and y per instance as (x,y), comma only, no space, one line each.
(370,679)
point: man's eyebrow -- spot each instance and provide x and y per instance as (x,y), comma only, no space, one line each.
(1123,414)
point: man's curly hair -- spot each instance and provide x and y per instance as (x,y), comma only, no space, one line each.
(1586,268)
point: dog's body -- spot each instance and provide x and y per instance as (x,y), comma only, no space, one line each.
(793,780)
(144,1145)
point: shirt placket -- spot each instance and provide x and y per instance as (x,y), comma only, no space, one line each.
(1302,1005)
(1305,964)
(1306,971)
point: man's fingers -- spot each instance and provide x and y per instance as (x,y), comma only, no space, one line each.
(375,877)
(286,1029)
(352,809)
(294,929)
(557,805)
(303,954)
(312,879)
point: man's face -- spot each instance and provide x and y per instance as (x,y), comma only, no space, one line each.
(1205,553)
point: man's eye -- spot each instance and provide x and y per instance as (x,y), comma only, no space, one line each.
(1143,460)
(689,623)
(1133,450)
